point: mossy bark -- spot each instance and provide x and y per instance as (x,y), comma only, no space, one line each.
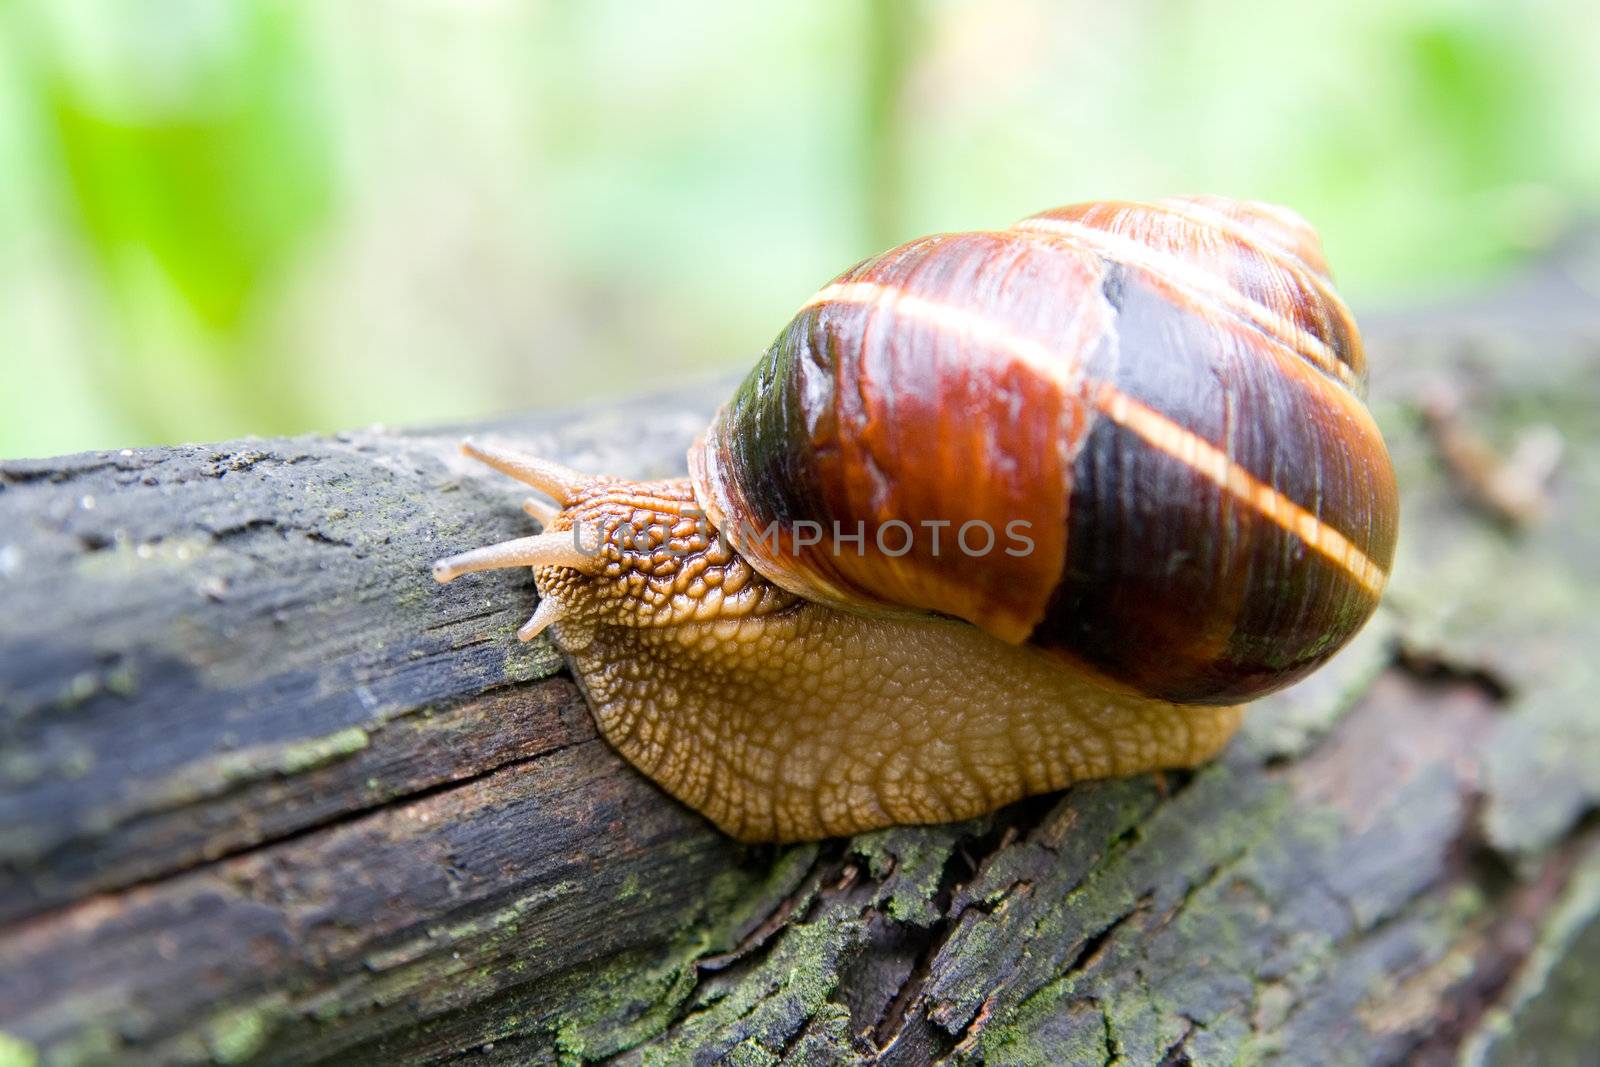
(269,795)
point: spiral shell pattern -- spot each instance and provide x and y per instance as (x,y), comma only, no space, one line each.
(1162,400)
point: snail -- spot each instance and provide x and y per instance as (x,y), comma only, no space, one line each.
(997,512)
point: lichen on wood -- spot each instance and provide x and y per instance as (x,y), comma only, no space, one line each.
(268,795)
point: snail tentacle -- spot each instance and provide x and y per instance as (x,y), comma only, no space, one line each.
(548,611)
(541,550)
(540,512)
(562,483)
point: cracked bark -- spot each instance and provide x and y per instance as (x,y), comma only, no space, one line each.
(268,795)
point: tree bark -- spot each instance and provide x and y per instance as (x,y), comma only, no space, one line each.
(269,795)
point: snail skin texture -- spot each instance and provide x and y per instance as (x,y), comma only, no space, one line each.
(1153,409)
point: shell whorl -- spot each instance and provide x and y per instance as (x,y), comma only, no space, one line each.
(1166,396)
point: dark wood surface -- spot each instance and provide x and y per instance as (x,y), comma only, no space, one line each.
(267,794)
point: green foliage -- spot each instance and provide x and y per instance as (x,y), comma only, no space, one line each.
(220,217)
(216,182)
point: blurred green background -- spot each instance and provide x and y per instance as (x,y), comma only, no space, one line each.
(228,217)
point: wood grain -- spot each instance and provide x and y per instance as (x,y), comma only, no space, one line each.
(268,795)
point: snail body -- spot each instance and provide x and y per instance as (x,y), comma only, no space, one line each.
(996,512)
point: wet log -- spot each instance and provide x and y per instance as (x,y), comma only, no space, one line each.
(268,795)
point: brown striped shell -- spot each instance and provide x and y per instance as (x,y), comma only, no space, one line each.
(1168,397)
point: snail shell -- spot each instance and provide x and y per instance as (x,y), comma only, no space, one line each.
(1168,395)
